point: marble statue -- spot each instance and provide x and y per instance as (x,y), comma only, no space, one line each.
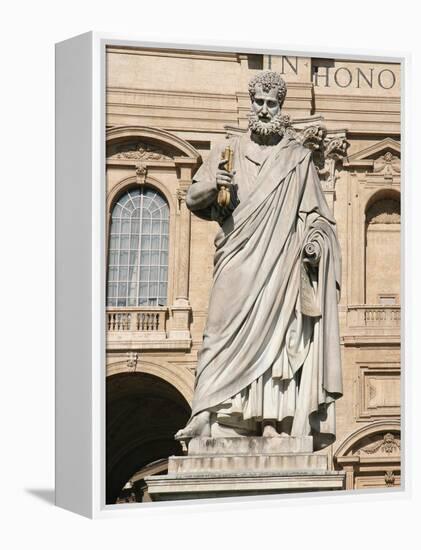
(270,360)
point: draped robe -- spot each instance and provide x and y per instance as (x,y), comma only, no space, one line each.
(272,333)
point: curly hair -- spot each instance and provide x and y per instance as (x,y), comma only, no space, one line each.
(268,80)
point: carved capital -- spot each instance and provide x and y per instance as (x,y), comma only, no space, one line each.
(327,151)
(334,151)
(313,137)
(336,148)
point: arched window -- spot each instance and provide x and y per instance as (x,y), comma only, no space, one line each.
(138,250)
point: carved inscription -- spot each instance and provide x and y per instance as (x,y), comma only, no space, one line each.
(353,77)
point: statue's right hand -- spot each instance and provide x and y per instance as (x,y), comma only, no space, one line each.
(223,177)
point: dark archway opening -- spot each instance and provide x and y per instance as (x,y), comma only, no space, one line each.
(143,414)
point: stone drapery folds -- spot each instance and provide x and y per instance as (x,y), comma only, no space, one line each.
(271,342)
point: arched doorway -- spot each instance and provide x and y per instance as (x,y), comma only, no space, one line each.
(143,414)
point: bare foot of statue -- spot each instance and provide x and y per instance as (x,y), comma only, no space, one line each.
(199,426)
(269,430)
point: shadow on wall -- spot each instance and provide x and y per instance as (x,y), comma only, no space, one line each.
(46,495)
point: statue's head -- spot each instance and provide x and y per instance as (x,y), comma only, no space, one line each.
(267,93)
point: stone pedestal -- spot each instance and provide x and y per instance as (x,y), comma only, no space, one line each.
(240,466)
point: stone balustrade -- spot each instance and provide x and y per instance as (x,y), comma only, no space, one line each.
(374,316)
(137,319)
(145,328)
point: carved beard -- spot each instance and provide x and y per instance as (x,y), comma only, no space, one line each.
(275,126)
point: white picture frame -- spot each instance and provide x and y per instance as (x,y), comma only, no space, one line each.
(80,276)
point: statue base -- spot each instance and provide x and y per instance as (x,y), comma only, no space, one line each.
(243,466)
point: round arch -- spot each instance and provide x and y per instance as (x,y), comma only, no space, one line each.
(350,442)
(143,414)
(179,146)
(182,379)
(130,182)
(381,194)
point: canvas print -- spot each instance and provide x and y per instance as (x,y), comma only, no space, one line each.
(253,274)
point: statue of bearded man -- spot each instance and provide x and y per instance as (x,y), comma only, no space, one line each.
(270,360)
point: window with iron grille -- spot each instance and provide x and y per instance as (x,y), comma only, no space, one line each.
(138,250)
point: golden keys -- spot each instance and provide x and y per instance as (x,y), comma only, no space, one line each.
(224,196)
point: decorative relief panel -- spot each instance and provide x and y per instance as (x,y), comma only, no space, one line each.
(138,150)
(387,164)
(389,445)
(379,392)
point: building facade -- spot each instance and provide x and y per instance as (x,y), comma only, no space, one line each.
(165,110)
